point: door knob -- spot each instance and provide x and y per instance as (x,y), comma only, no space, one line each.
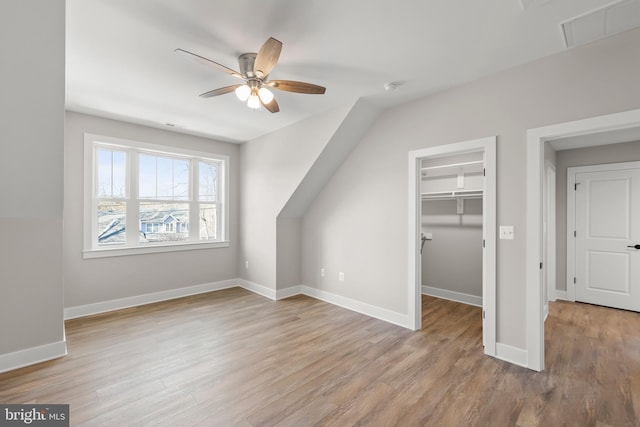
(634,246)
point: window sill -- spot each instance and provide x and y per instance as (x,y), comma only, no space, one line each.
(139,250)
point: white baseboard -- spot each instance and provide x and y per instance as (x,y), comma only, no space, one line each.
(452,296)
(358,306)
(31,356)
(510,354)
(288,292)
(257,289)
(348,303)
(344,302)
(117,304)
(561,295)
(545,311)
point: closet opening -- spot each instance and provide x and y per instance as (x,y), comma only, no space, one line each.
(451,238)
(452,232)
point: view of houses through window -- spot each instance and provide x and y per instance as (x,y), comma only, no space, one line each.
(169,198)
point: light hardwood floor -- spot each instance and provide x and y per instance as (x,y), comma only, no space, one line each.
(232,358)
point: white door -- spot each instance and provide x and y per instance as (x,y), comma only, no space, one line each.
(607,221)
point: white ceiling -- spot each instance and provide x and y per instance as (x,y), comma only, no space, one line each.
(121,62)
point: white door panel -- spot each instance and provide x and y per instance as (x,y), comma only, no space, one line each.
(607,223)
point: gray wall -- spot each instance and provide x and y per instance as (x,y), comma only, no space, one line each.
(358,223)
(272,168)
(288,255)
(616,153)
(32,36)
(101,279)
(453,259)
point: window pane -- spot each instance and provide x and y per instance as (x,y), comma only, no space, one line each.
(111,176)
(208,221)
(163,178)
(111,223)
(147,174)
(181,179)
(164,222)
(208,181)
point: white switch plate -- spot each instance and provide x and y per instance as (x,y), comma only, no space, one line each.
(507,232)
(341,276)
(322,272)
(246,264)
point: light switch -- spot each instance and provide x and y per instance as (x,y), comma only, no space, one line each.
(507,232)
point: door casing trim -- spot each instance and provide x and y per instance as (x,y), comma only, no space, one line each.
(535,164)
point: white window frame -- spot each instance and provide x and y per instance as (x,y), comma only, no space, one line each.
(133,245)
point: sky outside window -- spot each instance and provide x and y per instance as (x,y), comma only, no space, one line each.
(163,178)
(111,177)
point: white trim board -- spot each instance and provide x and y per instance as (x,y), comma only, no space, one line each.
(257,289)
(134,301)
(33,355)
(357,306)
(510,354)
(535,163)
(344,302)
(289,292)
(452,295)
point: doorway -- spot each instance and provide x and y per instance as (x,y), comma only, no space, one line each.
(452,189)
(487,148)
(602,130)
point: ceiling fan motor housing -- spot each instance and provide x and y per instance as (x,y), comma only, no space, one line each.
(247,61)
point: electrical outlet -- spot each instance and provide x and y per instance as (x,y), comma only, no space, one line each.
(322,272)
(246,265)
(341,276)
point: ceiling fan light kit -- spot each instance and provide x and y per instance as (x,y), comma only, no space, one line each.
(265,95)
(253,102)
(243,92)
(254,70)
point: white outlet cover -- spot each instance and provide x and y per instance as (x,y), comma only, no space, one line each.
(507,232)
(341,276)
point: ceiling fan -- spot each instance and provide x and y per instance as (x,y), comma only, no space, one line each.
(254,70)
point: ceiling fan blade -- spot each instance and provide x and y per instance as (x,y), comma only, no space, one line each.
(208,62)
(271,106)
(298,87)
(220,91)
(267,57)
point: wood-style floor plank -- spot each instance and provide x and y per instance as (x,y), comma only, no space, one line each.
(233,358)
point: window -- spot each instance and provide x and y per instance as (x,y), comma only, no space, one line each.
(142,198)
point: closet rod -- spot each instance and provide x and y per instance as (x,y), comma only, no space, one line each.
(453,193)
(435,198)
(454,165)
